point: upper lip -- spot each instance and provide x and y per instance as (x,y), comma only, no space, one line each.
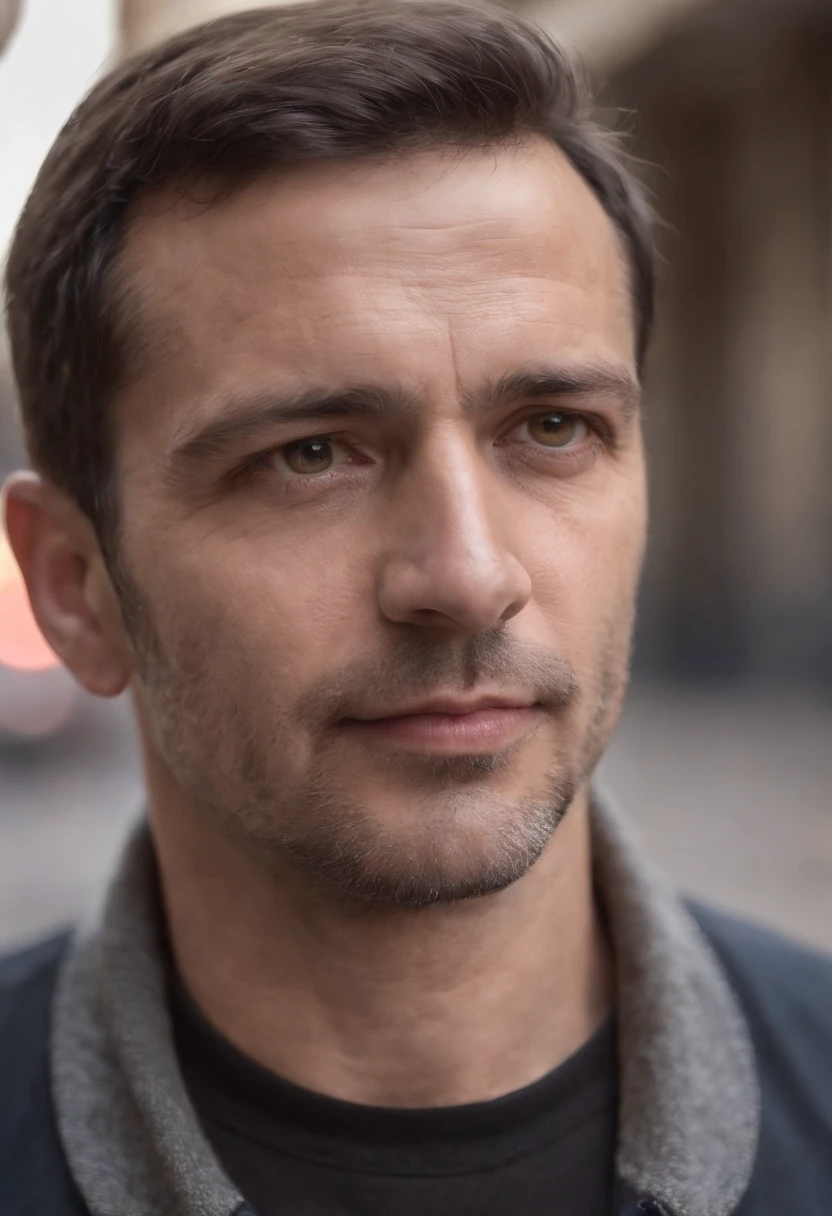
(453,705)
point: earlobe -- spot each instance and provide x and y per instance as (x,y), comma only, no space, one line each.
(69,589)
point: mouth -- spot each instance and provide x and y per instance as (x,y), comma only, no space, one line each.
(449,726)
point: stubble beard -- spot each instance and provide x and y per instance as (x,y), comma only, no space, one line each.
(469,842)
(466,841)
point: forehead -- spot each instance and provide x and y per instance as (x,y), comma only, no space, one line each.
(431,267)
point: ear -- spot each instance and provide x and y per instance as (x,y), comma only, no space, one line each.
(70,591)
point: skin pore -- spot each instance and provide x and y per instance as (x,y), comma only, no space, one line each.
(384,448)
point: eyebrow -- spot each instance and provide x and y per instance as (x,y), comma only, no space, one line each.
(252,417)
(593,380)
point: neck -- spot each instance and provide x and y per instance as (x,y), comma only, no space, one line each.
(391,1007)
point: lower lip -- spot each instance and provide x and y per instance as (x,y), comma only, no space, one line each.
(483,730)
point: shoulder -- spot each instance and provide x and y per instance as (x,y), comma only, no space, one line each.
(784,988)
(33,1173)
(785,992)
(763,955)
(27,979)
(30,965)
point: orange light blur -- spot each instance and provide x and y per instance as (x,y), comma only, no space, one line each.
(22,645)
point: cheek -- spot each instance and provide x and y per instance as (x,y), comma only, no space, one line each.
(273,617)
(608,567)
(586,570)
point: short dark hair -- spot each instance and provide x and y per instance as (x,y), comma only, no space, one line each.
(231,99)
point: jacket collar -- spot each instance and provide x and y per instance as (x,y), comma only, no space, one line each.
(690,1104)
(689,1097)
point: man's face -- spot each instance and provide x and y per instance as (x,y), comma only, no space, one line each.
(384,456)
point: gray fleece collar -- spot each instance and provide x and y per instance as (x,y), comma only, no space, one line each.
(689,1098)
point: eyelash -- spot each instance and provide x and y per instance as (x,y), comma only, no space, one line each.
(259,466)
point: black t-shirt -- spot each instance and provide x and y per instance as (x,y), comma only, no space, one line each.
(547,1148)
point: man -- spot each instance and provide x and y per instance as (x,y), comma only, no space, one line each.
(329,325)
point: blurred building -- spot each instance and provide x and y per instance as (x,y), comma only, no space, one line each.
(733,104)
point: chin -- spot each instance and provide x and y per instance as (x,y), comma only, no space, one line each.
(479,847)
(425,888)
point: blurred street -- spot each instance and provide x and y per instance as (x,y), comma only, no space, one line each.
(731,791)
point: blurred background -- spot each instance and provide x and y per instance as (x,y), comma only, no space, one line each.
(723,756)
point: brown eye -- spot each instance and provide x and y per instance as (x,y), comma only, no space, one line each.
(555,430)
(309,456)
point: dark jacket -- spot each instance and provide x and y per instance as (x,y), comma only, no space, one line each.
(784,992)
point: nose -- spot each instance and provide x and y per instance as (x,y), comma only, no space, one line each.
(448,563)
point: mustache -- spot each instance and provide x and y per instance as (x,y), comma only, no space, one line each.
(420,668)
